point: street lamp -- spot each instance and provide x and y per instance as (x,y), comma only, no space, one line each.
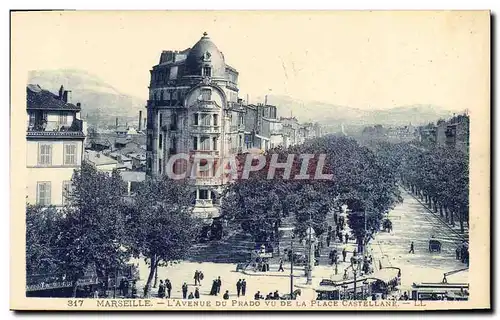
(291,257)
(310,232)
(365,289)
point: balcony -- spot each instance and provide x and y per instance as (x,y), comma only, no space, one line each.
(54,129)
(204,203)
(164,103)
(213,153)
(205,129)
(170,127)
(206,181)
(206,104)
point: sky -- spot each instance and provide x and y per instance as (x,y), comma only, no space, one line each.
(365,60)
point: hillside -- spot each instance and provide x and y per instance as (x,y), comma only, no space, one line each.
(101,102)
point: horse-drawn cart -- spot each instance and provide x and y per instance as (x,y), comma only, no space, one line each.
(434,245)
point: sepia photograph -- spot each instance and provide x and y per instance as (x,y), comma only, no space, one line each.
(250,160)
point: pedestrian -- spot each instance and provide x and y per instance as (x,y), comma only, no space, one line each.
(328,240)
(134,289)
(196,278)
(191,296)
(122,285)
(196,293)
(346,237)
(219,284)
(281,266)
(125,287)
(457,252)
(341,239)
(276,295)
(243,287)
(213,290)
(226,295)
(161,290)
(257,296)
(412,248)
(184,290)
(238,287)
(168,286)
(344,254)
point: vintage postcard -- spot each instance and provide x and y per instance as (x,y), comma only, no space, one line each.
(260,160)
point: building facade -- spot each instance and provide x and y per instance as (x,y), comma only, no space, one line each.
(54,141)
(193,109)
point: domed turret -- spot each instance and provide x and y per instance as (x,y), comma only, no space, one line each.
(204,59)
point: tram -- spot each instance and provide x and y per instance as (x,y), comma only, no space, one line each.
(440,291)
(379,284)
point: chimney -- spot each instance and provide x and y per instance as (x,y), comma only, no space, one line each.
(78,104)
(140,120)
(61,92)
(67,96)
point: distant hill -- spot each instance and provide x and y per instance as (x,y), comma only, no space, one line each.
(335,115)
(101,102)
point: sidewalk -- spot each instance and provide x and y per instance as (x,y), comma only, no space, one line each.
(455,228)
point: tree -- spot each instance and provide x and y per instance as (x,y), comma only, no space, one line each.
(42,230)
(92,234)
(161,222)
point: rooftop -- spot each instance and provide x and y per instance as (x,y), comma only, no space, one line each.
(133,176)
(98,159)
(40,99)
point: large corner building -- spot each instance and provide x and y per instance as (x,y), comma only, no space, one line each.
(193,109)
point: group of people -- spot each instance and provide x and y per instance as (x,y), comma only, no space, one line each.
(269,296)
(334,257)
(165,289)
(462,253)
(185,295)
(126,289)
(216,285)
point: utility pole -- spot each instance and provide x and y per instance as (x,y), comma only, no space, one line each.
(355,274)
(291,267)
(309,267)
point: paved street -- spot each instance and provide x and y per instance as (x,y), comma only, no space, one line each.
(411,222)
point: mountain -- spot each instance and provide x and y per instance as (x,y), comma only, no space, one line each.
(101,102)
(335,115)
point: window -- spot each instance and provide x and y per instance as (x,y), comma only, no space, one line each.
(239,142)
(206,94)
(207,71)
(43,193)
(205,119)
(216,120)
(161,119)
(63,119)
(160,141)
(70,154)
(161,95)
(32,118)
(44,154)
(173,73)
(203,194)
(160,165)
(174,122)
(205,143)
(66,189)
(241,119)
(195,119)
(195,143)
(214,141)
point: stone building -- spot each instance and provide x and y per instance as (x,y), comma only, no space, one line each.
(193,109)
(54,144)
